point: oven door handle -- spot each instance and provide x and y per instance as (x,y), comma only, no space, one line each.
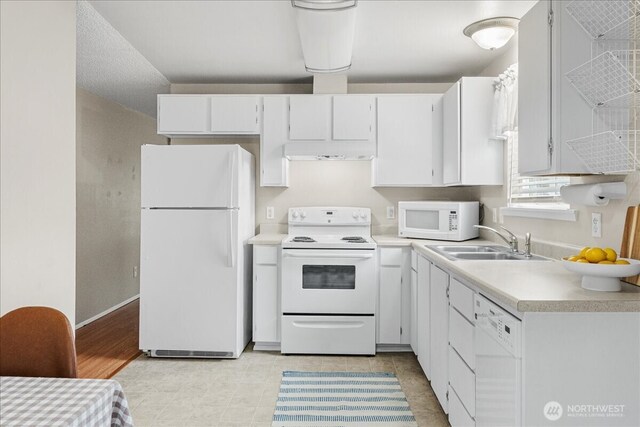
(349,256)
(319,324)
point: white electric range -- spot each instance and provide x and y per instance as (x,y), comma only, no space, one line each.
(329,285)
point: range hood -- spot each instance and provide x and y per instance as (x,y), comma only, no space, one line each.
(330,150)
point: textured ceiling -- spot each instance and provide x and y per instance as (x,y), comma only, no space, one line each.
(109,66)
(242,41)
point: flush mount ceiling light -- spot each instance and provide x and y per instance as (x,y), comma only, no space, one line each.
(326,29)
(492,33)
(324,4)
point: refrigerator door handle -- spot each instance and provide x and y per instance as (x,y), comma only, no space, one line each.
(231,255)
(232,178)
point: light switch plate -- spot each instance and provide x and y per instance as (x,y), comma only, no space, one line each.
(270,212)
(596,224)
(391,212)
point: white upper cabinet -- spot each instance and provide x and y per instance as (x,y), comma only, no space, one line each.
(310,117)
(353,117)
(274,167)
(183,114)
(552,113)
(235,114)
(534,90)
(469,155)
(204,115)
(406,142)
(451,135)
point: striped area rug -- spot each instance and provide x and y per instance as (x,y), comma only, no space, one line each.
(341,399)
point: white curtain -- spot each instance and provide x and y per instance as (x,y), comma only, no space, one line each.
(505,103)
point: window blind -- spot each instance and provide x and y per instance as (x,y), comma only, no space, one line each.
(532,191)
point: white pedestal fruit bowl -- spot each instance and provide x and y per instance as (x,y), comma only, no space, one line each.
(603,277)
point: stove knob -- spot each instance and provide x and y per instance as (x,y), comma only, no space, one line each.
(303,214)
(363,215)
(295,214)
(355,215)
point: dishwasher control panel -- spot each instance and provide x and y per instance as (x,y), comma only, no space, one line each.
(495,321)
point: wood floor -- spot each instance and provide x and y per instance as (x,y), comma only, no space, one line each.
(107,345)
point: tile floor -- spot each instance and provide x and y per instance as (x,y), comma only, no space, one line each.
(243,392)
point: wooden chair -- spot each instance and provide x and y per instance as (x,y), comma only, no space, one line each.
(37,342)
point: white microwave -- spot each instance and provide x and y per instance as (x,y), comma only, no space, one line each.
(438,220)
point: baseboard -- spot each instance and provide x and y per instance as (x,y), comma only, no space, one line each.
(107,311)
(266,346)
(393,348)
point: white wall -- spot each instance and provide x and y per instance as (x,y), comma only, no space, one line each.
(108,201)
(37,151)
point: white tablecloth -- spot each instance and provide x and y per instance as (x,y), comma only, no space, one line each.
(27,401)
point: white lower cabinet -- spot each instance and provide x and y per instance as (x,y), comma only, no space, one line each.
(414,312)
(463,380)
(390,305)
(458,415)
(439,348)
(394,299)
(462,355)
(266,295)
(423,325)
(461,337)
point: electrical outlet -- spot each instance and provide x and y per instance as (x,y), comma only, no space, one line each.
(494,212)
(596,224)
(135,271)
(270,212)
(391,212)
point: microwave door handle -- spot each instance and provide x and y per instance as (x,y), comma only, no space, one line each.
(349,256)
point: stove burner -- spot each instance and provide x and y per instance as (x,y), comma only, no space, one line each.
(354,239)
(303,239)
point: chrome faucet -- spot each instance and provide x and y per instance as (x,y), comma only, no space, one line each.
(527,245)
(512,241)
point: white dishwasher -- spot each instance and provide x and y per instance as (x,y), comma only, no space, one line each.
(498,366)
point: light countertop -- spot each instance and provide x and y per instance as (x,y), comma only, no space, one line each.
(267,239)
(523,286)
(531,286)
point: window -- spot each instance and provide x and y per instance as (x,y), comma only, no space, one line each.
(533,192)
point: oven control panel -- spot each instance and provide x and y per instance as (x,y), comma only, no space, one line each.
(330,216)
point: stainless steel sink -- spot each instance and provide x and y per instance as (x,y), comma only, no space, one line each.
(482,252)
(471,248)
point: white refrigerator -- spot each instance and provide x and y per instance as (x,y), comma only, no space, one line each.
(197,214)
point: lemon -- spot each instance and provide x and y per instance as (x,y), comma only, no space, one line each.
(595,255)
(574,258)
(606,262)
(583,252)
(582,260)
(622,261)
(612,255)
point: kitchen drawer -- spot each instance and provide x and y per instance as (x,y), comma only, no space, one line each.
(414,260)
(461,337)
(329,335)
(463,381)
(391,256)
(461,298)
(265,254)
(458,415)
